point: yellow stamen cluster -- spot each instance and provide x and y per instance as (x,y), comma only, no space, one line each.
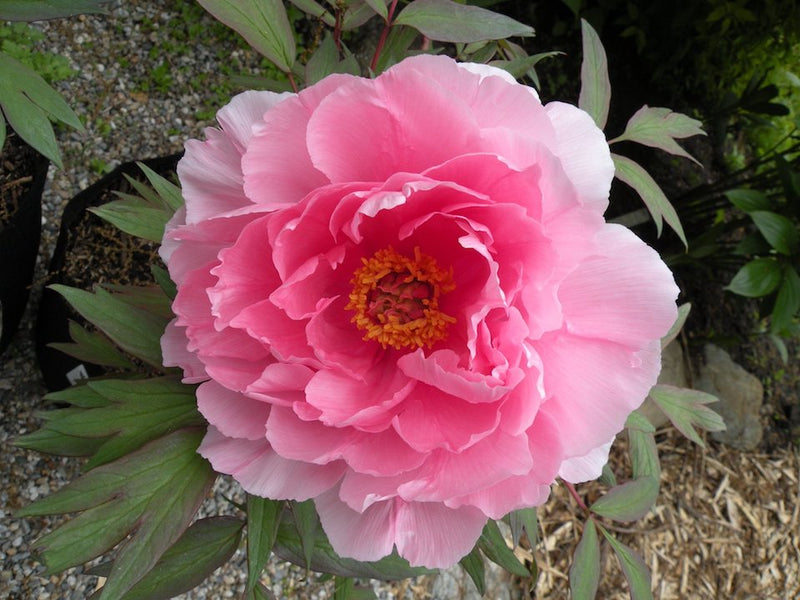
(396,299)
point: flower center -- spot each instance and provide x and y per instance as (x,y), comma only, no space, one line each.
(396,299)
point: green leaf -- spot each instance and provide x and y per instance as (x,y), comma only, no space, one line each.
(636,572)
(644,454)
(2,131)
(203,547)
(39,10)
(494,546)
(686,409)
(325,61)
(654,199)
(379,6)
(584,574)
(787,303)
(48,441)
(683,314)
(149,298)
(779,231)
(315,10)
(133,329)
(757,278)
(263,518)
(263,23)
(169,193)
(447,21)
(307,524)
(146,500)
(139,411)
(524,519)
(397,47)
(629,501)
(659,128)
(595,96)
(638,421)
(748,200)
(80,396)
(324,560)
(163,280)
(134,216)
(346,589)
(473,564)
(92,347)
(259,593)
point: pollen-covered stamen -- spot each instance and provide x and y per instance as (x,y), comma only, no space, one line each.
(396,299)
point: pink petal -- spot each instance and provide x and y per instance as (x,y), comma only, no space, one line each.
(233,414)
(583,151)
(626,295)
(592,386)
(365,536)
(238,117)
(587,467)
(175,354)
(263,473)
(435,536)
(281,383)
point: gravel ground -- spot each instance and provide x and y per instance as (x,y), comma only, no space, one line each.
(140,87)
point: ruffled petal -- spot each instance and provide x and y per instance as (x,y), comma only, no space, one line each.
(232,413)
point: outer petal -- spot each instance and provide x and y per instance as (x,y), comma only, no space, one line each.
(238,117)
(232,413)
(587,467)
(175,353)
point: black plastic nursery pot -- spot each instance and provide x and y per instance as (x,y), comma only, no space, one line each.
(91,251)
(23,172)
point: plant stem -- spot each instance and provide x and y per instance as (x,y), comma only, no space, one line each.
(384,34)
(292,82)
(575,495)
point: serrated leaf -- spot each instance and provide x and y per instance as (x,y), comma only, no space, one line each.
(659,128)
(473,564)
(584,573)
(39,10)
(169,193)
(139,411)
(787,303)
(206,545)
(147,498)
(636,572)
(757,278)
(92,347)
(779,231)
(683,314)
(748,200)
(654,199)
(595,95)
(629,501)
(133,329)
(494,546)
(644,454)
(263,519)
(263,23)
(324,560)
(686,409)
(447,21)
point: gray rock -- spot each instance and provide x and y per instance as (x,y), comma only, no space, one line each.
(740,397)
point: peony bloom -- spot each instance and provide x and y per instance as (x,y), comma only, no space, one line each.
(400,298)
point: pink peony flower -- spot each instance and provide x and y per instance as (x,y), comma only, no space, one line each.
(401,300)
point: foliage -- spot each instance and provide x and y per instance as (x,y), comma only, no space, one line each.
(143,482)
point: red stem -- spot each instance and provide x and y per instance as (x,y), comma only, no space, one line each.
(575,495)
(384,34)
(292,82)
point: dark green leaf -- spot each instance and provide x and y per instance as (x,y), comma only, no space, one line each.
(263,23)
(447,21)
(757,278)
(524,519)
(659,128)
(325,61)
(636,572)
(686,409)
(92,347)
(787,303)
(584,574)
(397,47)
(473,564)
(748,200)
(39,10)
(203,547)
(325,560)
(133,329)
(135,217)
(149,298)
(163,280)
(29,121)
(259,593)
(779,231)
(315,10)
(494,546)
(147,499)
(263,518)
(379,6)
(139,411)
(519,67)
(654,199)
(81,396)
(346,589)
(629,501)
(307,524)
(53,442)
(751,245)
(169,193)
(595,96)
(2,131)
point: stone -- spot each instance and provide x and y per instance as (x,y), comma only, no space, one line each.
(740,398)
(673,372)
